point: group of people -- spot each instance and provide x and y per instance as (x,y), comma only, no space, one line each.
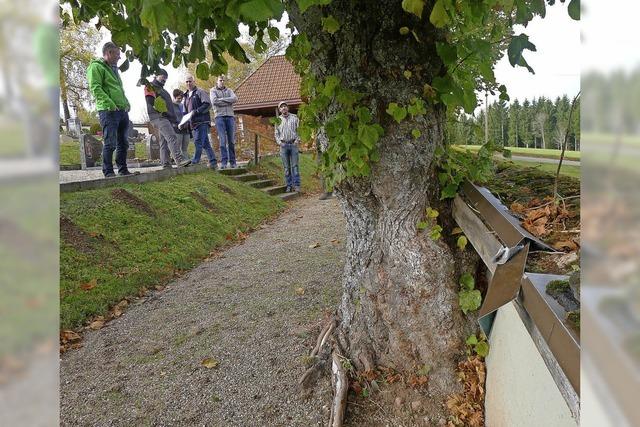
(179,119)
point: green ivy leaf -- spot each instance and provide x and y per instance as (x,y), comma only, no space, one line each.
(439,16)
(517,45)
(261,10)
(574,10)
(467,281)
(404,31)
(274,33)
(202,71)
(436,232)
(469,300)
(330,24)
(397,112)
(472,340)
(449,191)
(462,242)
(482,349)
(413,6)
(160,105)
(407,74)
(416,133)
(306,4)
(368,135)
(432,213)
(422,225)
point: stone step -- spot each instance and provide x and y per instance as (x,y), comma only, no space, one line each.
(260,183)
(245,177)
(233,172)
(277,189)
(288,196)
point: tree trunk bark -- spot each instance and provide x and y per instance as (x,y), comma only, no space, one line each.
(399,306)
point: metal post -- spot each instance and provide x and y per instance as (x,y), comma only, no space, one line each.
(256,155)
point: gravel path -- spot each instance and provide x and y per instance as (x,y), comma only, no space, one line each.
(256,309)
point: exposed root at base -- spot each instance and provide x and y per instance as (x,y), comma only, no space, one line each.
(326,350)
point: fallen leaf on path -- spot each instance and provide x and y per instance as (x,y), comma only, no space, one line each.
(89,285)
(315,245)
(68,336)
(159,288)
(299,291)
(456,230)
(336,241)
(96,324)
(210,363)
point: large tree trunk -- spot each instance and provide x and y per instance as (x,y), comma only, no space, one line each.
(399,307)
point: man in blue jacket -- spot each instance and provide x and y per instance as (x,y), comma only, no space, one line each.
(197,102)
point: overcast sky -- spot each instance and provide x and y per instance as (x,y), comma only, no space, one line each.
(556,63)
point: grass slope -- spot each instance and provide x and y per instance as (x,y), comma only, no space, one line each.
(271,166)
(138,236)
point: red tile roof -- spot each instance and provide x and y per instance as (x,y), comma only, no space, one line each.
(272,82)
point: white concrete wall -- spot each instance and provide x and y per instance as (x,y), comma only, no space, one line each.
(520,391)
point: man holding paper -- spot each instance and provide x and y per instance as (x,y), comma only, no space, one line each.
(198,104)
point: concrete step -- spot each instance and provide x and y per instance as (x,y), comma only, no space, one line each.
(288,196)
(233,172)
(245,177)
(277,189)
(261,183)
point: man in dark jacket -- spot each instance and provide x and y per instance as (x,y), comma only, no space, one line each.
(198,103)
(163,117)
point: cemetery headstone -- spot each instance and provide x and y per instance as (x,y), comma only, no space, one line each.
(90,150)
(153,147)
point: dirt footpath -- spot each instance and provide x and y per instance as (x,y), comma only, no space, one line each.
(252,314)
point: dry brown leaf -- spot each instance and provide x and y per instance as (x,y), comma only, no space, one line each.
(89,285)
(315,245)
(159,287)
(68,336)
(299,291)
(210,363)
(336,241)
(96,324)
(456,230)
(517,208)
(565,245)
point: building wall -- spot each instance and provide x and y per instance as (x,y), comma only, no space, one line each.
(520,391)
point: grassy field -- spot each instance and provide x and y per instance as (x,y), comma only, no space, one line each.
(70,152)
(271,166)
(530,152)
(135,236)
(567,170)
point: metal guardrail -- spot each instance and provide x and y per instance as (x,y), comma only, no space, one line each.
(503,246)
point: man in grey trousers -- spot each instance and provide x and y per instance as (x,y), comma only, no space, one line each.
(163,117)
(184,135)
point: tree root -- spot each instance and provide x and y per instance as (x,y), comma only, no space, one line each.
(341,387)
(326,350)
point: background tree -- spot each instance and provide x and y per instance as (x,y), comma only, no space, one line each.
(379,79)
(78,43)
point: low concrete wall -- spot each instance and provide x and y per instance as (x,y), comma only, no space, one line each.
(520,389)
(159,175)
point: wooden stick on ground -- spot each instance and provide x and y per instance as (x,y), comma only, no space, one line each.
(340,386)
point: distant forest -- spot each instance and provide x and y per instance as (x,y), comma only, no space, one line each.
(540,123)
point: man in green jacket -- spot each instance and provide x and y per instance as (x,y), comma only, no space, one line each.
(113,107)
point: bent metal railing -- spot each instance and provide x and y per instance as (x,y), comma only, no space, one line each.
(503,246)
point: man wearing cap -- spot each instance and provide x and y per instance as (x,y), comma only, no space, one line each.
(287,138)
(105,85)
(163,117)
(223,99)
(197,102)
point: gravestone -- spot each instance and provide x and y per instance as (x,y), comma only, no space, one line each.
(90,150)
(153,147)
